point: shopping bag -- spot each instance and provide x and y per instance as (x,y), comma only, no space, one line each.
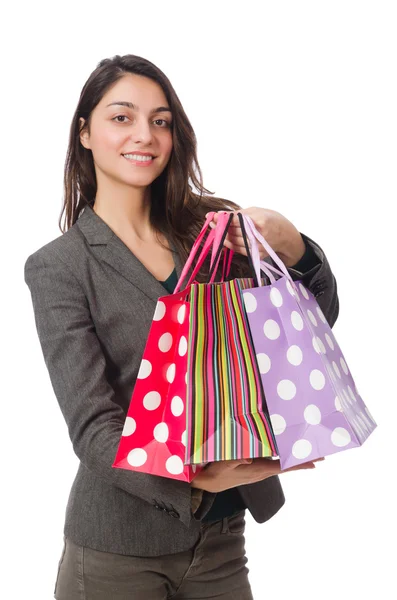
(313,401)
(226,411)
(154,436)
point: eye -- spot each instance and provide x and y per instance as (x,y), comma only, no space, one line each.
(167,124)
(120,117)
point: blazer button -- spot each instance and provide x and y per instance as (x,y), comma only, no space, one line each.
(174,513)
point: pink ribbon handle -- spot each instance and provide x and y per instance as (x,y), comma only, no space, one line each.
(268,249)
(213,239)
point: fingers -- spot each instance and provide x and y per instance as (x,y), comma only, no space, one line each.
(235,241)
(273,466)
(232,464)
(307,465)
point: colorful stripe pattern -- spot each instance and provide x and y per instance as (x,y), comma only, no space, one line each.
(227,417)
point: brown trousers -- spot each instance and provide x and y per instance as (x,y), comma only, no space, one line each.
(214,568)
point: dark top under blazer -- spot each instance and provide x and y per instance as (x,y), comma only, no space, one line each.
(93,304)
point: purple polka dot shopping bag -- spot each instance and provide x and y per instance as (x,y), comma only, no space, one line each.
(313,402)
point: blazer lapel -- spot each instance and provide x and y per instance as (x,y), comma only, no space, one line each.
(114,252)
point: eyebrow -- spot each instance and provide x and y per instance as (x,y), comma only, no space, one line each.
(134,107)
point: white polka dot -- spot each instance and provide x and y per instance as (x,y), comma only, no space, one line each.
(332,375)
(290,288)
(301,449)
(181,314)
(329,341)
(278,424)
(340,437)
(312,414)
(152,400)
(338,405)
(250,302)
(317,379)
(160,311)
(357,427)
(316,345)
(366,425)
(347,398)
(322,347)
(297,320)
(366,419)
(271,329)
(344,366)
(171,373)
(303,291)
(184,438)
(145,369)
(286,389)
(351,394)
(165,342)
(369,414)
(344,401)
(129,426)
(335,367)
(182,346)
(177,406)
(321,314)
(174,465)
(264,363)
(276,297)
(161,432)
(363,424)
(312,317)
(137,457)
(294,355)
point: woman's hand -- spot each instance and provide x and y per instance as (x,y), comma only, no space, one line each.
(279,233)
(225,474)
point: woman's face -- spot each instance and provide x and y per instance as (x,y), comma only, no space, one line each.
(117,130)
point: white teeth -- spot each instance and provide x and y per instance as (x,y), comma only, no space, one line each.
(138,157)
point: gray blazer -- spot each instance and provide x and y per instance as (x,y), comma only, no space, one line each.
(93,303)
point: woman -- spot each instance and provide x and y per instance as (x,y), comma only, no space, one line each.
(132,217)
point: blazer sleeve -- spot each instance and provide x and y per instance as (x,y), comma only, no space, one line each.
(321,281)
(76,366)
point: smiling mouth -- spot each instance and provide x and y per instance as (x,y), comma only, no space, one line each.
(138,158)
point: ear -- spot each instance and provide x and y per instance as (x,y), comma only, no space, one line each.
(84,135)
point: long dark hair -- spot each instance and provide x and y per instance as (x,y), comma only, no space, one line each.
(176,209)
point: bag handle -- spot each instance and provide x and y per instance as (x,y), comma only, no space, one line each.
(254,247)
(248,227)
(214,239)
(222,226)
(264,266)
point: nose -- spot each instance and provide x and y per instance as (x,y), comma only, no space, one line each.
(142,132)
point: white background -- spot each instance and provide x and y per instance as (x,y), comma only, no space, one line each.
(294,107)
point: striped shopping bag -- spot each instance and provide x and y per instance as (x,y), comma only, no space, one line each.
(226,412)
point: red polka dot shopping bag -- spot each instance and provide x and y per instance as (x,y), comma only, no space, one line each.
(313,402)
(198,395)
